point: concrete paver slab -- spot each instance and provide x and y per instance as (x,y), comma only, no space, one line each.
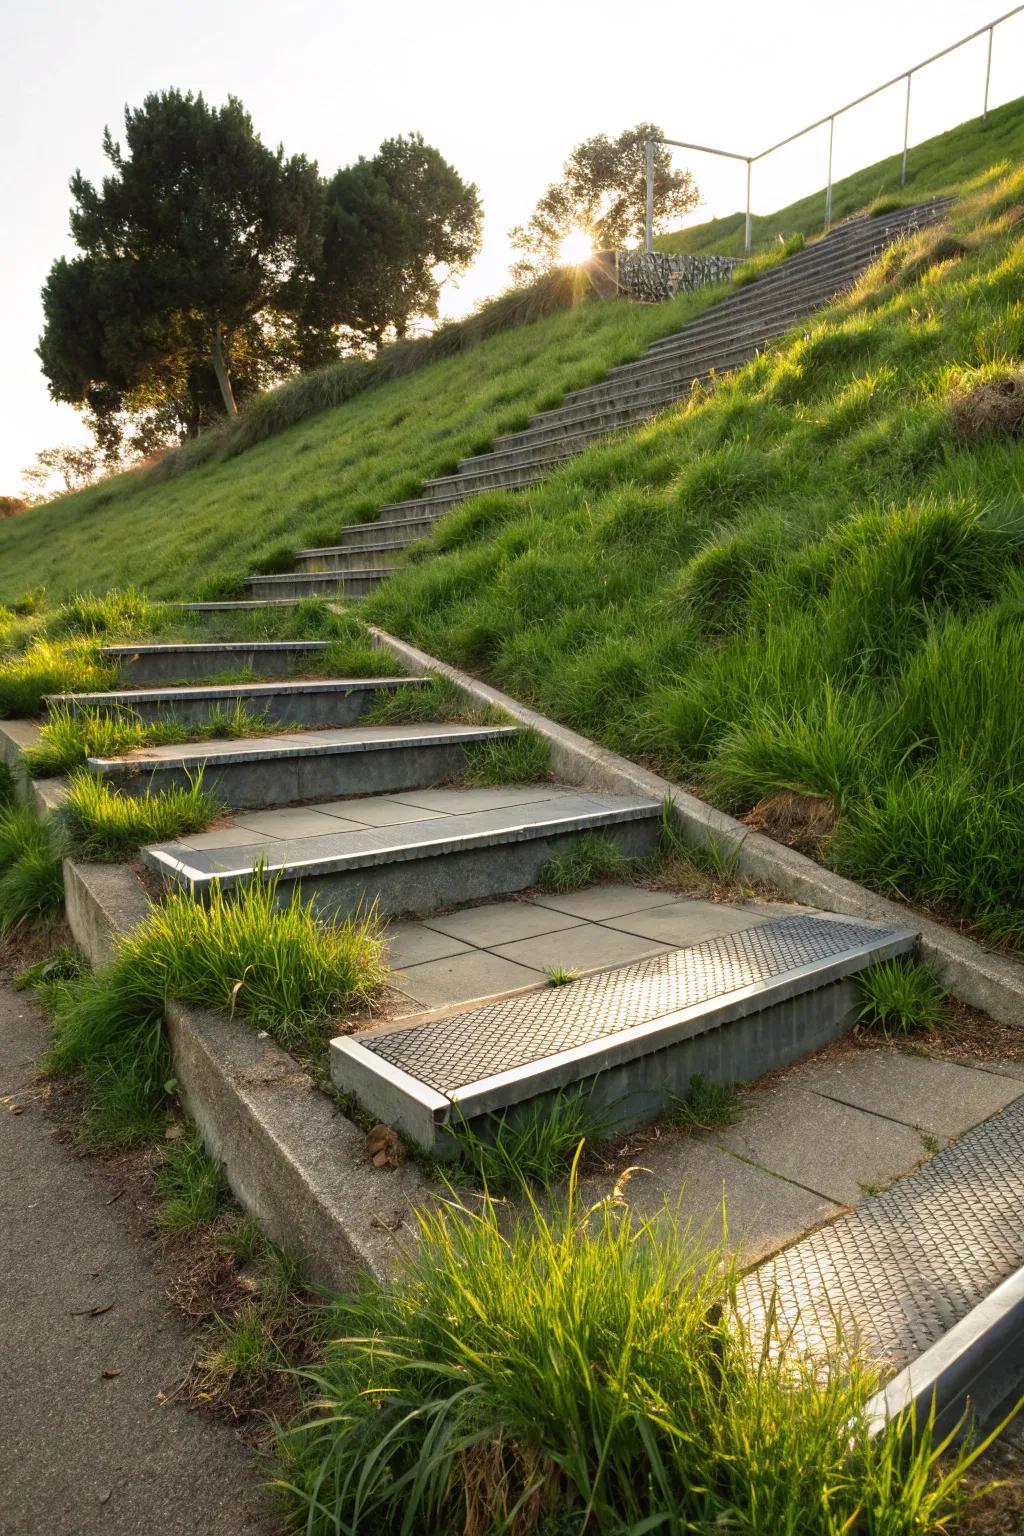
(376,811)
(687,922)
(457,802)
(292,823)
(941,1097)
(600,902)
(461,978)
(501,922)
(219,837)
(580,949)
(414,944)
(839,1152)
(763,1212)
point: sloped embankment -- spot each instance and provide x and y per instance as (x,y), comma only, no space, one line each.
(803,592)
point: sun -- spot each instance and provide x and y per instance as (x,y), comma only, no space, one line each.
(576,248)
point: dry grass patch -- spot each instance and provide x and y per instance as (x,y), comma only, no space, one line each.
(803,822)
(991,407)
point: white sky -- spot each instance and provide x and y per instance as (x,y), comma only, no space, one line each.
(503,90)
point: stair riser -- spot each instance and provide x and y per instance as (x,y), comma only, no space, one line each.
(398,510)
(424,884)
(160,668)
(253,785)
(355,559)
(284,709)
(374,533)
(321,585)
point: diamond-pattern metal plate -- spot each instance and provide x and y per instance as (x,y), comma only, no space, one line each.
(907,1264)
(450,1053)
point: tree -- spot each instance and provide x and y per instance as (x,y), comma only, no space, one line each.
(10,506)
(394,229)
(603,190)
(77,465)
(193,251)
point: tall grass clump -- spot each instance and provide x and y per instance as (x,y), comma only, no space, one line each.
(536,1144)
(50,666)
(585,1371)
(106,825)
(900,997)
(31,867)
(278,966)
(69,737)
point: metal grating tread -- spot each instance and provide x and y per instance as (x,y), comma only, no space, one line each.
(902,1268)
(450,1053)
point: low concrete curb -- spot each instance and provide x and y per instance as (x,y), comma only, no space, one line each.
(986,980)
(948,1371)
(292,1159)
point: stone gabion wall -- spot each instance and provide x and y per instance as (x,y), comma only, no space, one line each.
(657,276)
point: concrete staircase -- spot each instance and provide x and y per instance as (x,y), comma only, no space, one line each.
(726,335)
(354,816)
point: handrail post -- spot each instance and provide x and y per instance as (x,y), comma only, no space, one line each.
(828,188)
(906,132)
(649,216)
(747,234)
(988,73)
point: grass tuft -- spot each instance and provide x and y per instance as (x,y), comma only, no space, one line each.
(191,1186)
(591,858)
(520,759)
(108,826)
(707,1106)
(901,998)
(584,1370)
(31,868)
(534,1144)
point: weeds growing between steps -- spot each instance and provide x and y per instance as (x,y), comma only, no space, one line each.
(806,586)
(54,650)
(279,967)
(70,737)
(571,1370)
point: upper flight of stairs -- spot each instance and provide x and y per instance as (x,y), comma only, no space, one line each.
(725,336)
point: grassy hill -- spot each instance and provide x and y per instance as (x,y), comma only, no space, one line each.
(802,593)
(935,166)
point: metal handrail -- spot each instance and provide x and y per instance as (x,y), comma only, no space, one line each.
(830,118)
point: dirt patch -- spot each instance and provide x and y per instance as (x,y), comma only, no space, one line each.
(1001,1511)
(992,408)
(803,822)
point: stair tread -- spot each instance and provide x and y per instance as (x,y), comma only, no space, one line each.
(191,692)
(492,816)
(284,744)
(479,1060)
(175,648)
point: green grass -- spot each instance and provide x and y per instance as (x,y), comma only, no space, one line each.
(535,1144)
(281,968)
(435,700)
(520,759)
(106,825)
(806,582)
(707,1106)
(583,1371)
(203,531)
(561,976)
(71,736)
(901,998)
(191,1187)
(31,868)
(591,858)
(938,165)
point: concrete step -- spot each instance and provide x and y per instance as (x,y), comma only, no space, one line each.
(294,585)
(728,1008)
(312,702)
(174,663)
(400,511)
(409,852)
(350,557)
(281,768)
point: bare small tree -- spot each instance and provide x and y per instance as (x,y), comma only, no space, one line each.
(603,191)
(76,466)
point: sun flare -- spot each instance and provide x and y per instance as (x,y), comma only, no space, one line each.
(576,248)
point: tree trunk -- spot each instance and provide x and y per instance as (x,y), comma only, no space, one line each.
(220,369)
